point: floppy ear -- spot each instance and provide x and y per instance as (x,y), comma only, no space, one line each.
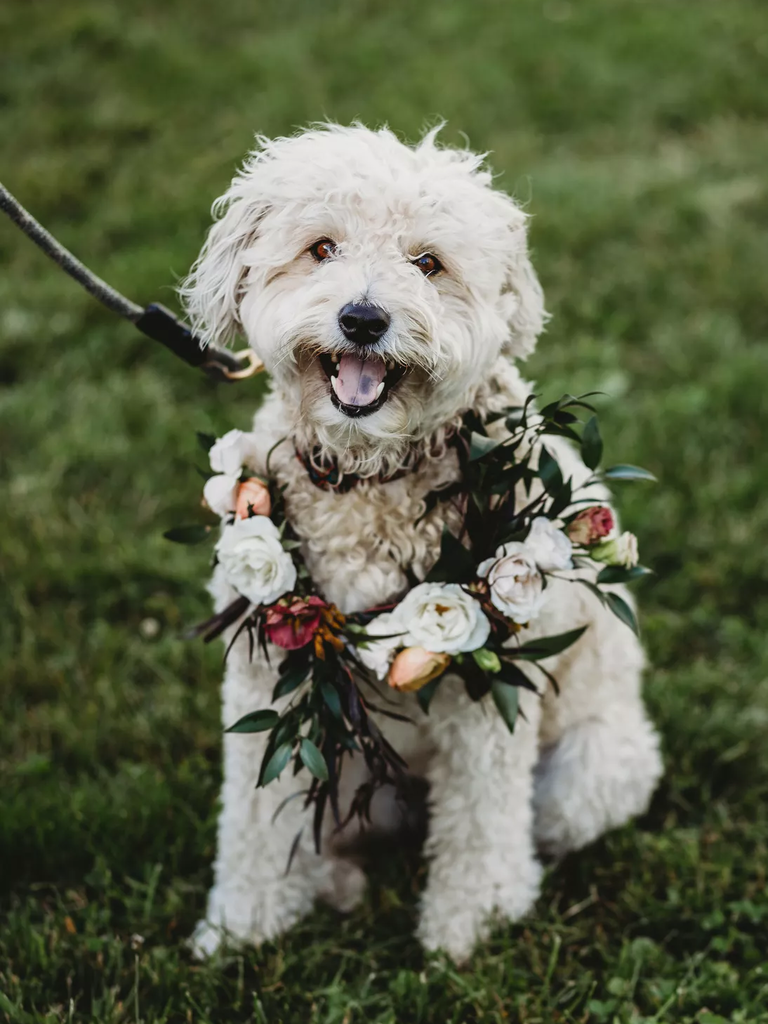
(212,291)
(523,301)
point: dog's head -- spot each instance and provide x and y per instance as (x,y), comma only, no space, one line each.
(378,282)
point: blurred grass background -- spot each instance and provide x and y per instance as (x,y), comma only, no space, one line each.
(636,134)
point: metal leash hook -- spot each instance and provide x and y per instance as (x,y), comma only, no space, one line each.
(155,321)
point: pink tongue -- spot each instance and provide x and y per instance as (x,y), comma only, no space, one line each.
(358,379)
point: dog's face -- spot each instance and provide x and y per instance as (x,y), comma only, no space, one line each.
(379,283)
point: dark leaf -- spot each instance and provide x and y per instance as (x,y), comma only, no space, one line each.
(628,473)
(294,848)
(514,676)
(618,574)
(591,444)
(313,760)
(255,721)
(276,763)
(561,501)
(206,441)
(455,563)
(546,646)
(426,693)
(289,682)
(288,800)
(195,534)
(480,446)
(549,472)
(622,611)
(506,699)
(331,697)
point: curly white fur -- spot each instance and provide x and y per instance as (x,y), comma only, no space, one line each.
(577,764)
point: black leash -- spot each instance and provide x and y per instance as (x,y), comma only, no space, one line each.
(155,321)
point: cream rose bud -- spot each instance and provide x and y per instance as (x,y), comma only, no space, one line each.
(414,667)
(254,561)
(220,493)
(377,655)
(253,499)
(228,454)
(549,546)
(515,583)
(443,618)
(619,551)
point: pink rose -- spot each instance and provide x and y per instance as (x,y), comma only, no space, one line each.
(293,622)
(414,667)
(591,525)
(252,499)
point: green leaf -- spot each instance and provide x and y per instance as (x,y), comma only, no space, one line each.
(188,534)
(622,611)
(487,660)
(426,693)
(313,760)
(625,472)
(289,682)
(206,441)
(480,446)
(549,472)
(331,697)
(276,763)
(255,721)
(546,646)
(618,574)
(506,699)
(591,444)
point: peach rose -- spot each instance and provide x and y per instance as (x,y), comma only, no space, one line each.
(252,499)
(414,667)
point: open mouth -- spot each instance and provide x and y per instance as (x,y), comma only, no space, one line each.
(360,382)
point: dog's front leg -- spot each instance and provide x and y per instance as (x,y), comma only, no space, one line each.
(255,897)
(480,835)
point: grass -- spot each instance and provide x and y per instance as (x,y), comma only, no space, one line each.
(636,133)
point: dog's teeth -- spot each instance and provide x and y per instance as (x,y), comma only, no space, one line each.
(335,384)
(390,364)
(379,389)
(338,367)
(335,358)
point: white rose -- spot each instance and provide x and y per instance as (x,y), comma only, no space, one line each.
(442,618)
(516,585)
(549,547)
(228,454)
(220,493)
(254,561)
(377,655)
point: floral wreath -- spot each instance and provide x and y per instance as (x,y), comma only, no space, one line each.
(466,615)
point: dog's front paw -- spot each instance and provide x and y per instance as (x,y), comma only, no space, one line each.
(456,917)
(344,887)
(208,939)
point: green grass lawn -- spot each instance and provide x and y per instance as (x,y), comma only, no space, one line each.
(636,133)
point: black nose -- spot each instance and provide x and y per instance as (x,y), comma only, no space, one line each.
(363,324)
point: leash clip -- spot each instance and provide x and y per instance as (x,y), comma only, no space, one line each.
(221,371)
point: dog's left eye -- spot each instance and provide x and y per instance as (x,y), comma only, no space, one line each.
(427,264)
(323,250)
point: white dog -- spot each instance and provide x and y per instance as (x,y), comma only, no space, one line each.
(388,289)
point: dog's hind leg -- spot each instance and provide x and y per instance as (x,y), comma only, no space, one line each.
(600,760)
(480,841)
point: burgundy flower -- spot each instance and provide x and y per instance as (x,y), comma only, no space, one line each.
(293,622)
(591,525)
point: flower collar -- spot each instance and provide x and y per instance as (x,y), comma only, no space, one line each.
(464,622)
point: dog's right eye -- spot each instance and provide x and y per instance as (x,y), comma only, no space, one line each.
(323,250)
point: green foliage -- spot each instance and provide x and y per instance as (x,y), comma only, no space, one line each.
(636,135)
